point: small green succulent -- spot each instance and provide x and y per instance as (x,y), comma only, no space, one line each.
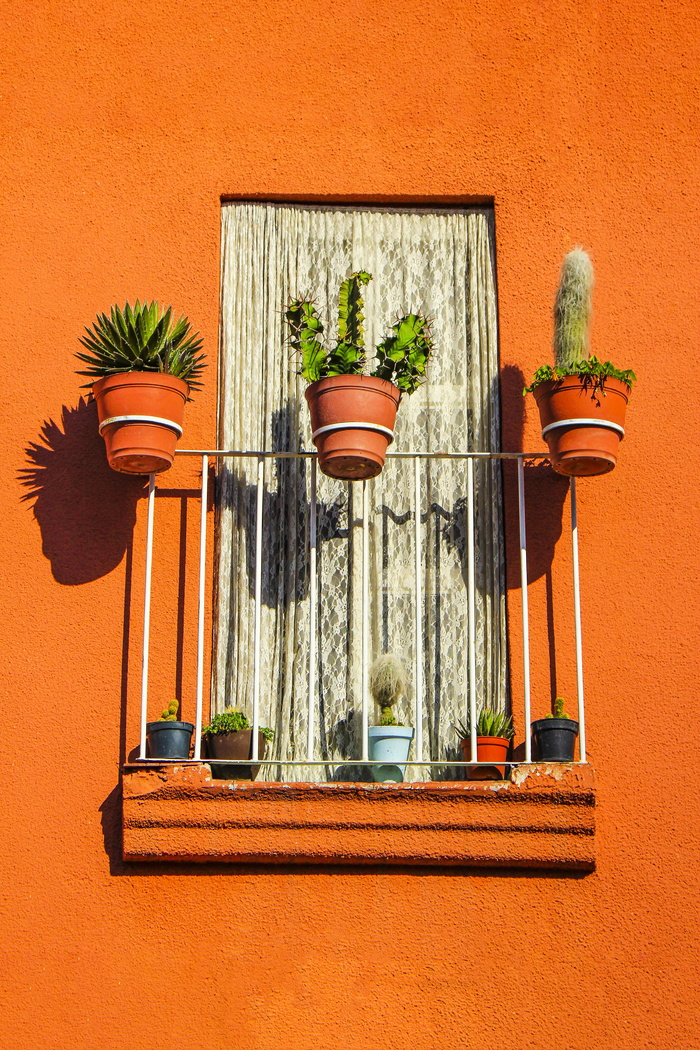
(401,357)
(170,712)
(558,711)
(142,339)
(572,322)
(488,723)
(233,720)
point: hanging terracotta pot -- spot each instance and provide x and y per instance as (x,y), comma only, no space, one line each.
(140,418)
(352,424)
(488,749)
(582,423)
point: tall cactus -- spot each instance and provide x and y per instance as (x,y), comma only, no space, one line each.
(572,310)
(350,351)
(305,326)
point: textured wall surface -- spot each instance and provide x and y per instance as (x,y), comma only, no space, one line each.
(121,129)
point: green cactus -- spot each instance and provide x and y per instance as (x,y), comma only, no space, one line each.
(170,712)
(305,326)
(349,355)
(401,357)
(558,706)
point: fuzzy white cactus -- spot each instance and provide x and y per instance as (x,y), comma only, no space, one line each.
(572,310)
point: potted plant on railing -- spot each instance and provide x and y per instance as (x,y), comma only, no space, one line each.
(582,400)
(494,732)
(145,365)
(555,735)
(353,414)
(169,738)
(390,741)
(229,736)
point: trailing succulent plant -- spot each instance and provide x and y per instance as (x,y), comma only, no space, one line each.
(488,723)
(572,325)
(401,357)
(142,339)
(170,712)
(233,720)
(388,682)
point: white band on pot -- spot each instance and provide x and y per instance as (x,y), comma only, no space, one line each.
(585,423)
(353,426)
(155,420)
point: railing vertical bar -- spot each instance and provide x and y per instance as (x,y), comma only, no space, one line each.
(258,597)
(525,608)
(577,624)
(365,621)
(471,599)
(147,612)
(313,598)
(419,647)
(200,610)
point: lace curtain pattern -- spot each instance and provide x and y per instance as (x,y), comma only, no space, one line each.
(438,262)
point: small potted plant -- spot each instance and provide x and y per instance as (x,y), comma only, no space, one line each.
(229,736)
(143,366)
(352,413)
(494,732)
(555,735)
(582,400)
(169,738)
(390,741)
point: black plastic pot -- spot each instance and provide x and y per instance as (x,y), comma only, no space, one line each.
(555,739)
(169,739)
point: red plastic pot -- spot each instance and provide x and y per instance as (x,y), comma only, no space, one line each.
(582,423)
(140,417)
(352,424)
(488,749)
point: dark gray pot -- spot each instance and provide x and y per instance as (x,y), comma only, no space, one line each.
(555,739)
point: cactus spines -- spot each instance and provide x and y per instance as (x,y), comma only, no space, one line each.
(558,708)
(572,310)
(170,712)
(388,682)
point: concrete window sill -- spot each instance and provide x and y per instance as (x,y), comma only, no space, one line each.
(543,818)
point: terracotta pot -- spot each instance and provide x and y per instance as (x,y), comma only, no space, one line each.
(488,748)
(352,424)
(234,745)
(582,423)
(140,416)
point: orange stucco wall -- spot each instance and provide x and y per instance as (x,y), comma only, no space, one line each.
(122,127)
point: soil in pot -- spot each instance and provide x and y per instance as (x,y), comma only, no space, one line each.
(389,744)
(554,739)
(169,739)
(488,749)
(234,746)
(140,417)
(352,422)
(582,423)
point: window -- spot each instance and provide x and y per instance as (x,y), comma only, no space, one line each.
(438,261)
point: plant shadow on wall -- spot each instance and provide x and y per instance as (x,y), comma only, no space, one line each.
(86,512)
(545,496)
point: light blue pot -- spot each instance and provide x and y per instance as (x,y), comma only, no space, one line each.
(389,744)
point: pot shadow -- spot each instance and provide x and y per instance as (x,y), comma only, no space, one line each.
(85,510)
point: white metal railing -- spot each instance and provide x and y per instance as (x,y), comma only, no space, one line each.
(418,457)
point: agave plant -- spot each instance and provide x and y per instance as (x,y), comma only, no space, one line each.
(401,357)
(142,339)
(488,723)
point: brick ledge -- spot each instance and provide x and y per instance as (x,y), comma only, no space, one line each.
(543,818)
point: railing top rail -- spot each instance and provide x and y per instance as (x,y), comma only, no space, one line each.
(222,452)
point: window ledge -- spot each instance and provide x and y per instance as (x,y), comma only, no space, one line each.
(543,818)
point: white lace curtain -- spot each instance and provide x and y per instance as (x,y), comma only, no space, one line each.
(439,262)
